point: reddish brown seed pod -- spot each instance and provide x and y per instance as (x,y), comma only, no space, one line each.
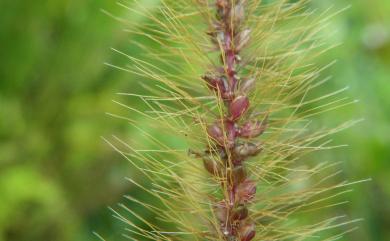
(240,213)
(211,165)
(231,133)
(246,191)
(222,136)
(219,84)
(247,231)
(216,83)
(247,149)
(211,81)
(238,107)
(216,133)
(253,129)
(239,174)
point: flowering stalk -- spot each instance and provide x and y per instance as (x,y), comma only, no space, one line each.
(260,77)
(234,134)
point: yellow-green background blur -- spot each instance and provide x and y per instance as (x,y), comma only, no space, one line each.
(57,176)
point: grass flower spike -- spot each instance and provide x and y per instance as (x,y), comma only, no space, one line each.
(233,140)
(225,141)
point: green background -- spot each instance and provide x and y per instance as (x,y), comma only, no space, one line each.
(57,176)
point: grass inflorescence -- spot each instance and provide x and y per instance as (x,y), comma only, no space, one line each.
(228,123)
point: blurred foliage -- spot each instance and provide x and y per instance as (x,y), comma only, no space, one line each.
(56,174)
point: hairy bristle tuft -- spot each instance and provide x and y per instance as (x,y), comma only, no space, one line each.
(226,133)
